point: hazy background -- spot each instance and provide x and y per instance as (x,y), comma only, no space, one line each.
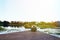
(30,10)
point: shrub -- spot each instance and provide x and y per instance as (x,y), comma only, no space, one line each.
(33,29)
(1,29)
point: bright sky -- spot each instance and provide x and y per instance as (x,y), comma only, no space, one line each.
(30,10)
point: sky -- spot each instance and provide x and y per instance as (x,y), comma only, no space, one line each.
(30,10)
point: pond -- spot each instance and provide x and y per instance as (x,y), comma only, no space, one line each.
(13,29)
(54,32)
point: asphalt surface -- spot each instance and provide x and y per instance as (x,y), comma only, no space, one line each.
(27,35)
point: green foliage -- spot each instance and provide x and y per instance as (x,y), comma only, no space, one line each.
(27,26)
(2,29)
(1,23)
(16,24)
(33,29)
(43,25)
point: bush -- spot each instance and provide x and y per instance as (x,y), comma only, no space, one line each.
(27,26)
(1,29)
(33,29)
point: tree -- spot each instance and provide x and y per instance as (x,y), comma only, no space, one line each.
(41,24)
(46,24)
(27,26)
(57,23)
(1,23)
(5,23)
(16,24)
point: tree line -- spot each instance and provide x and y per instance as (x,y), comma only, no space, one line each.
(41,24)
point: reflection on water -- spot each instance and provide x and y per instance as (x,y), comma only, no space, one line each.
(54,32)
(13,29)
(55,35)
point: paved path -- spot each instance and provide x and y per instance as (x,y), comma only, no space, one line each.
(27,36)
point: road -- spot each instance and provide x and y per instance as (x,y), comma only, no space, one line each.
(27,35)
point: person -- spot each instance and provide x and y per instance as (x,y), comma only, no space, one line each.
(33,29)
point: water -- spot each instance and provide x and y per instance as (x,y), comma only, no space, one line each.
(56,35)
(13,29)
(53,32)
(20,29)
